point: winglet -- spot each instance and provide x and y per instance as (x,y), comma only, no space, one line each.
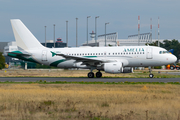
(53,54)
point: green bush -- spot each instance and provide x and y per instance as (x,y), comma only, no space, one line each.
(2,61)
(157,67)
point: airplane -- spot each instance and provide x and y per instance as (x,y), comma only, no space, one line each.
(118,59)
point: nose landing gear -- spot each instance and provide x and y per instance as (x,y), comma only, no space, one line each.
(150,75)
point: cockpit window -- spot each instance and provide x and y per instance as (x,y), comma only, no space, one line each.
(163,52)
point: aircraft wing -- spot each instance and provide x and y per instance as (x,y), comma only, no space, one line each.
(81,59)
(19,53)
(87,60)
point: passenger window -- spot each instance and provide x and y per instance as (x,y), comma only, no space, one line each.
(104,53)
(93,53)
(109,53)
(101,53)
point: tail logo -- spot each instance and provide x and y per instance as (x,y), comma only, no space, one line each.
(53,54)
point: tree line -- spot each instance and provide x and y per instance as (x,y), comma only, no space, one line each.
(167,44)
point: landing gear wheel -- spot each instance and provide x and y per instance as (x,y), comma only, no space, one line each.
(172,68)
(90,75)
(151,75)
(98,74)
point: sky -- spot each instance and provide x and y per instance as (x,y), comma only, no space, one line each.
(121,14)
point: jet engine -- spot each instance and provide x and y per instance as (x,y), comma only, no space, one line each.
(114,67)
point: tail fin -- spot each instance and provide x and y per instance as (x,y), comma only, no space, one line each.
(24,38)
(171,51)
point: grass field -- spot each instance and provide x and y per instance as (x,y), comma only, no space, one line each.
(79,73)
(89,102)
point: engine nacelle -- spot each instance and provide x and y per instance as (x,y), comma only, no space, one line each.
(114,67)
(127,69)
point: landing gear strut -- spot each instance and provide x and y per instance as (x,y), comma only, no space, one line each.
(150,75)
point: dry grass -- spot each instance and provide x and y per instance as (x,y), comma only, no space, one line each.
(89,102)
(73,73)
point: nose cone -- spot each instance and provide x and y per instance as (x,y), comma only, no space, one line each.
(173,59)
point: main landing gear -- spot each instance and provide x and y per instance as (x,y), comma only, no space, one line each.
(91,74)
(150,75)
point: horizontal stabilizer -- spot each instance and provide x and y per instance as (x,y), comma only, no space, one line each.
(19,53)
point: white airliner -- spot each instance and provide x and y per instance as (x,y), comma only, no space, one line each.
(108,59)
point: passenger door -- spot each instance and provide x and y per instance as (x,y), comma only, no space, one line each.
(149,54)
(44,55)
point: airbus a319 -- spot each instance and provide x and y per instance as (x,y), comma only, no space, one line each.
(109,59)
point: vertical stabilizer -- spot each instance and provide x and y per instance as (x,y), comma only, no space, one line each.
(24,38)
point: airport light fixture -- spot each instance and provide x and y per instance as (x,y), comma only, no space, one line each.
(96,29)
(105,32)
(87,28)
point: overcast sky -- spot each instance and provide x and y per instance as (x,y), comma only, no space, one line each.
(122,15)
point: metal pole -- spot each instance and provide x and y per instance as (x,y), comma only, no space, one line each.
(96,29)
(76,32)
(138,29)
(45,36)
(66,33)
(87,28)
(105,33)
(158,33)
(151,30)
(54,35)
